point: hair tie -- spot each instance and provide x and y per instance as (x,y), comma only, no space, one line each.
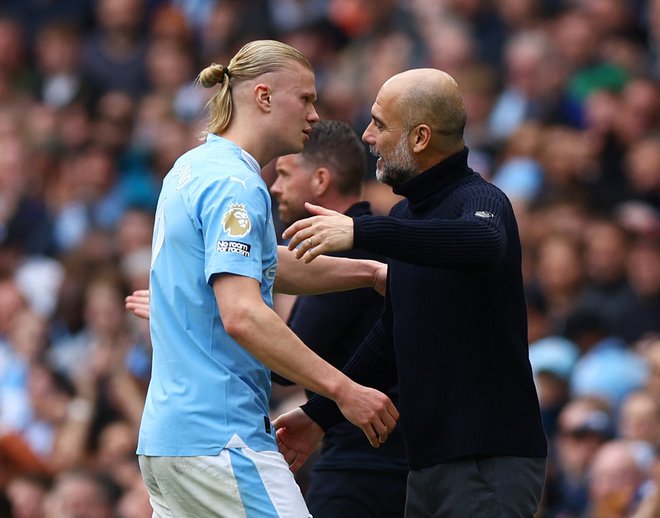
(226,72)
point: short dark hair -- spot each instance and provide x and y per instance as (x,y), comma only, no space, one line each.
(336,145)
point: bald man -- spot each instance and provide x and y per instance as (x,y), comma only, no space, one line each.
(454,328)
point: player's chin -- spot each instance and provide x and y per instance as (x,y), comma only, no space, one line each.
(292,149)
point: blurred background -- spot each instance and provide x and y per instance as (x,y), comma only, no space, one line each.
(97,101)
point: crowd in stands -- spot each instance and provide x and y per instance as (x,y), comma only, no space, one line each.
(97,99)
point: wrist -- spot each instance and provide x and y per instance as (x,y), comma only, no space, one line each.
(340,389)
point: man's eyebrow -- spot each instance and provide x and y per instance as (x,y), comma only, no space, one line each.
(377,119)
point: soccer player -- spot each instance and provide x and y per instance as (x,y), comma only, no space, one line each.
(206,446)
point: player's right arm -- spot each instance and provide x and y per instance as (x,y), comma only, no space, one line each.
(256,327)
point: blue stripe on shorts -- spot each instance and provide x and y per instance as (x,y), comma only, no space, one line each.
(253,493)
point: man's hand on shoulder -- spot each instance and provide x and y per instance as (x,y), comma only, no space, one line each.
(327,231)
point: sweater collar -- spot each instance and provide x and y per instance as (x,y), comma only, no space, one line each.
(435,178)
(361,208)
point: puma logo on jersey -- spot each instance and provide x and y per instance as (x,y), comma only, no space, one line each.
(242,181)
(236,221)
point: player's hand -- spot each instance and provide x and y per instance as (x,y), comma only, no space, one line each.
(138,303)
(297,437)
(369,409)
(327,231)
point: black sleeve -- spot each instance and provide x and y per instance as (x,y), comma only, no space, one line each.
(373,365)
(475,239)
(334,324)
(327,323)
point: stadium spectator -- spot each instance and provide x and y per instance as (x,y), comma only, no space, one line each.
(616,478)
(584,424)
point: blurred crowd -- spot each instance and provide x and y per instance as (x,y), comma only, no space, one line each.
(97,100)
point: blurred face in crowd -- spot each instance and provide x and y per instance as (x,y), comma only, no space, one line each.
(605,252)
(58,50)
(78,496)
(11,302)
(559,267)
(29,335)
(643,166)
(614,479)
(640,418)
(122,16)
(104,309)
(576,445)
(652,356)
(26,496)
(644,268)
(293,187)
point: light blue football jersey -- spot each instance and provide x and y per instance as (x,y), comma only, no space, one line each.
(206,391)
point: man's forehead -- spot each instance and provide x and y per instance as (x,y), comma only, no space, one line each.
(287,161)
(384,108)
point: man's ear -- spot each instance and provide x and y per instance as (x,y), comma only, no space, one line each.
(321,181)
(262,96)
(421,137)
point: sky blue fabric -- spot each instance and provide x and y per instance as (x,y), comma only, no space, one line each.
(213,217)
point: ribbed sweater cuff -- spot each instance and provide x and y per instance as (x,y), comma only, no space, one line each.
(323,411)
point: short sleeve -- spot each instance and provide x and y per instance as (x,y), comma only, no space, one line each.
(233,217)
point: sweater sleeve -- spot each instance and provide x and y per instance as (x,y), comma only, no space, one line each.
(372,365)
(475,240)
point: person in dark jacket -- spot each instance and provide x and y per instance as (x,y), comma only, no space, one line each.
(351,479)
(454,327)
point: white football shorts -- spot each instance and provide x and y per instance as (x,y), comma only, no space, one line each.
(237,483)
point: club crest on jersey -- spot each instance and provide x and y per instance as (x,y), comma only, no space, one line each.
(236,221)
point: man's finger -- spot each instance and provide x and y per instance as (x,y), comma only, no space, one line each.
(299,462)
(300,240)
(296,227)
(313,253)
(317,209)
(389,421)
(372,435)
(290,456)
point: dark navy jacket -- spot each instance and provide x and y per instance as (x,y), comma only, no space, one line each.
(333,325)
(454,326)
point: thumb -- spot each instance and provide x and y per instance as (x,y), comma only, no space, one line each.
(318,210)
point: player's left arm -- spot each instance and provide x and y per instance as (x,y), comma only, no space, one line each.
(326,274)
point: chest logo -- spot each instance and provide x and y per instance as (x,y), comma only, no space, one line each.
(484,214)
(236,221)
